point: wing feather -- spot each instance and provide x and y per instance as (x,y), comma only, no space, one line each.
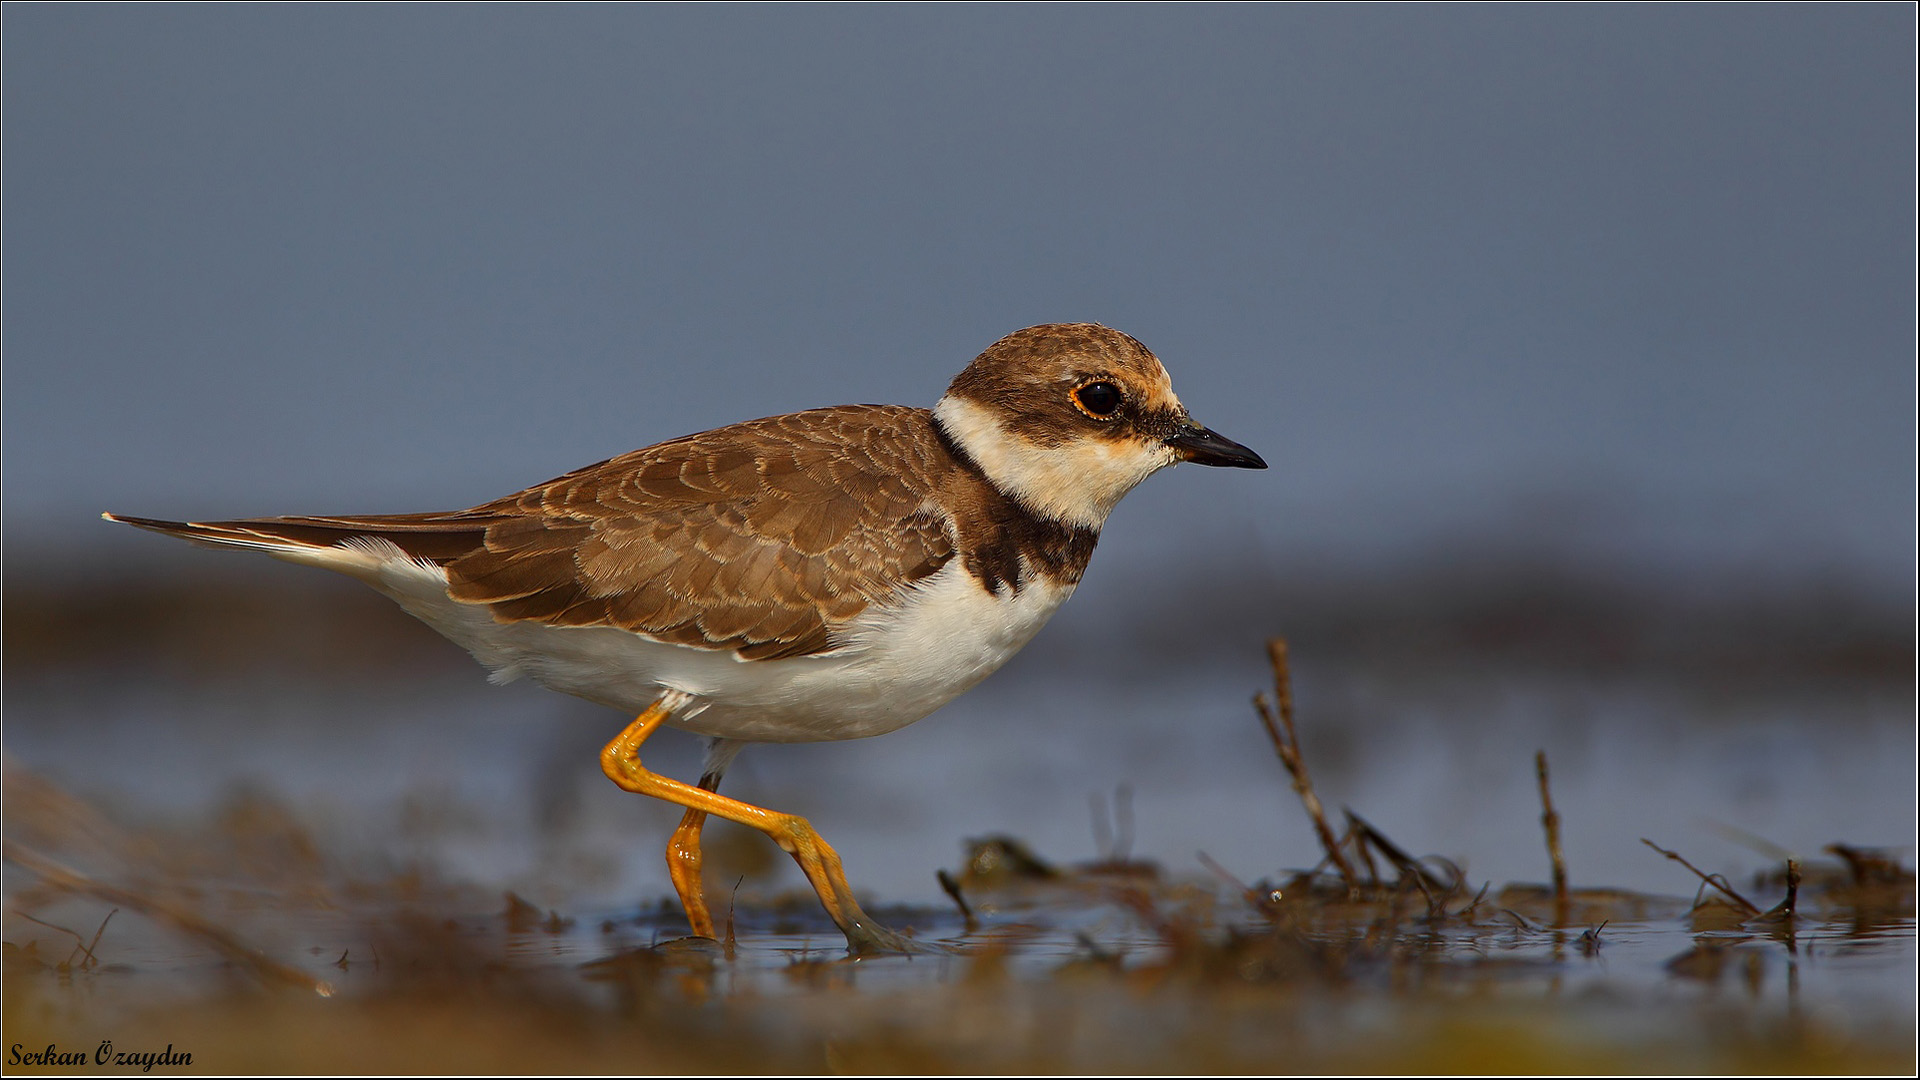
(764,538)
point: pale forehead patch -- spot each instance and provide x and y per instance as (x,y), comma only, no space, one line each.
(1156,389)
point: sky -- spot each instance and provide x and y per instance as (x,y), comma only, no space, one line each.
(1638,279)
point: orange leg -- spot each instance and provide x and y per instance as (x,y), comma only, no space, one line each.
(620,760)
(683,865)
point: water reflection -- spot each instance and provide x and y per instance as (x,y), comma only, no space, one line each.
(304,768)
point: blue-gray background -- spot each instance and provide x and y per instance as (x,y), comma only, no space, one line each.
(1624,290)
(1427,261)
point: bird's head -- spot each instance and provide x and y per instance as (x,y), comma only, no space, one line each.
(1069,417)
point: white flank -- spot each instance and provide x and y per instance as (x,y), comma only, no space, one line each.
(899,663)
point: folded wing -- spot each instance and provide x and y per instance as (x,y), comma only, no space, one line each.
(762,538)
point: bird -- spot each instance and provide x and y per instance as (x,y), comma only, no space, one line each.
(836,573)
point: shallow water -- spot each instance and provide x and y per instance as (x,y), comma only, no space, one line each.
(358,822)
(1083,972)
(502,785)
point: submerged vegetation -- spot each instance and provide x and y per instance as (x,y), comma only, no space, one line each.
(241,945)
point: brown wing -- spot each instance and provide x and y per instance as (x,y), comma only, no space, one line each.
(762,537)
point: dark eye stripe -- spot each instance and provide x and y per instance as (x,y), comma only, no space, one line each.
(1099,399)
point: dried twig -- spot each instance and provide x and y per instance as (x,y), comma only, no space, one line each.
(1550,819)
(63,877)
(80,944)
(1472,909)
(952,888)
(95,943)
(730,944)
(1787,907)
(1784,910)
(1714,880)
(1436,907)
(1403,862)
(1521,922)
(1352,836)
(1589,940)
(1286,743)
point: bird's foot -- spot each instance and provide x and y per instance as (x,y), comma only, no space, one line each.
(866,937)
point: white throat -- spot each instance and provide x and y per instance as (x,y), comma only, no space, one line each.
(1078,482)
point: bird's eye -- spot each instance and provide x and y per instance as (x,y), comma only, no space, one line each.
(1099,400)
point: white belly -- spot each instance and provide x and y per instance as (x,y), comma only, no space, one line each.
(898,665)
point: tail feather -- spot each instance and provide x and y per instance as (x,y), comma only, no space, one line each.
(431,538)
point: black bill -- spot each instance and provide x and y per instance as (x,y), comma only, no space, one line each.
(1202,447)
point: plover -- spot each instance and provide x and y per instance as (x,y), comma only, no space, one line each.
(830,574)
